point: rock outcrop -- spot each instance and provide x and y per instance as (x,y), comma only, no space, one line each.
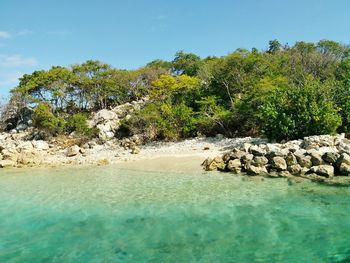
(108,121)
(318,158)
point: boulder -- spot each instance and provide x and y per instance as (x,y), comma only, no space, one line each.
(260,161)
(40,145)
(215,164)
(234,165)
(257,150)
(247,158)
(330,157)
(256,170)
(291,159)
(304,161)
(105,115)
(343,159)
(295,169)
(323,170)
(7,163)
(279,163)
(73,151)
(245,147)
(316,158)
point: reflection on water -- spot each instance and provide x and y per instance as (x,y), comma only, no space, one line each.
(114,214)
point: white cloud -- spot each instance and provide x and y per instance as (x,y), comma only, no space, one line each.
(4,34)
(24,32)
(17,61)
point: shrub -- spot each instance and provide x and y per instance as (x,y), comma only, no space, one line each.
(295,112)
(78,123)
(44,118)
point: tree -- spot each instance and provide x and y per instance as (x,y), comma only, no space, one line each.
(274,46)
(186,63)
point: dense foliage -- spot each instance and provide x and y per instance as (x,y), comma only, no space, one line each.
(283,93)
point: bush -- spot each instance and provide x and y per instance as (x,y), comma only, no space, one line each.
(78,123)
(44,118)
(295,112)
(161,121)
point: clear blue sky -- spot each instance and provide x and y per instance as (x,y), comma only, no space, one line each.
(38,34)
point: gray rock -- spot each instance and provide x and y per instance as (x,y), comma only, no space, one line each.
(323,170)
(291,159)
(257,150)
(330,157)
(247,158)
(316,159)
(234,165)
(260,161)
(343,159)
(279,163)
(245,147)
(304,161)
(295,169)
(256,170)
(73,151)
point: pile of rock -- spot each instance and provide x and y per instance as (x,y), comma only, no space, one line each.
(315,157)
(132,144)
(14,151)
(108,121)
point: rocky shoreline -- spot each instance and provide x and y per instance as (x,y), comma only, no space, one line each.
(323,158)
(16,150)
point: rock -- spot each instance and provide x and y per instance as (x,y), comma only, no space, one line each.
(216,164)
(316,158)
(344,169)
(234,165)
(10,154)
(25,146)
(260,161)
(40,145)
(256,170)
(135,150)
(323,170)
(257,150)
(330,157)
(304,161)
(291,159)
(105,115)
(234,154)
(279,163)
(295,169)
(247,158)
(284,174)
(245,147)
(7,163)
(343,159)
(73,151)
(29,158)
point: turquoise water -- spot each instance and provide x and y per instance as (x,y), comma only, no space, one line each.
(113,214)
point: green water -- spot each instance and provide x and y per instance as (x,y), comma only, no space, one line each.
(111,214)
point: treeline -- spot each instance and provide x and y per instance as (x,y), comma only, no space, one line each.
(283,93)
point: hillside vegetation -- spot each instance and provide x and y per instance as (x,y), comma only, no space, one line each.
(281,93)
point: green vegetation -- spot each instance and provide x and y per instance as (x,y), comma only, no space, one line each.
(283,93)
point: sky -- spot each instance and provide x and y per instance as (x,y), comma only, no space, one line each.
(39,34)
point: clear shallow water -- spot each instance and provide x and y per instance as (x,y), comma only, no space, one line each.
(111,214)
